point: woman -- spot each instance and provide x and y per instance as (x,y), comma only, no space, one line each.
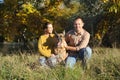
(46,44)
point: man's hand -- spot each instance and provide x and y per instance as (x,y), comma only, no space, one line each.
(52,55)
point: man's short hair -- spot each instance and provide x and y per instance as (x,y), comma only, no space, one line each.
(78,17)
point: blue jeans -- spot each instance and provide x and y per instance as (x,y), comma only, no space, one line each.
(52,61)
(42,61)
(84,53)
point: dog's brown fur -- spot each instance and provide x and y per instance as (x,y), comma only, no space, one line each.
(60,50)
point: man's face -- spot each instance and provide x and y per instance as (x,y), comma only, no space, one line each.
(49,28)
(78,24)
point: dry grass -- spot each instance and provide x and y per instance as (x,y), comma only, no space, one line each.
(104,65)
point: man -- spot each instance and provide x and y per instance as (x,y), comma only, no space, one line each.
(77,40)
(46,44)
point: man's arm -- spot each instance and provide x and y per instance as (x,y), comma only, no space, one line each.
(84,41)
(69,47)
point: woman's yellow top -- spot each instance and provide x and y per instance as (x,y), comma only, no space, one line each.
(46,44)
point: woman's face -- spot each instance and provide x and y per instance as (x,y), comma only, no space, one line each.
(49,28)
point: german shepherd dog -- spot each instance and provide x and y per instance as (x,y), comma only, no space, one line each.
(59,50)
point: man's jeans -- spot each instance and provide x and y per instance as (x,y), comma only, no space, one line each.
(83,54)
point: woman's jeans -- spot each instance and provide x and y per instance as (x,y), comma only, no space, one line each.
(83,54)
(51,61)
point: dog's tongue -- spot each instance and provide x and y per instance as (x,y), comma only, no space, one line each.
(59,44)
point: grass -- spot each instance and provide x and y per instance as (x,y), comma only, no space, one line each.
(104,65)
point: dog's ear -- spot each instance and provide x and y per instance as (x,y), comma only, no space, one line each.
(56,34)
(64,32)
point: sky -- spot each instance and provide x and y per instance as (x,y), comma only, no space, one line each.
(1,1)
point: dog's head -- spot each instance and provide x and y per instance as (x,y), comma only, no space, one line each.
(61,38)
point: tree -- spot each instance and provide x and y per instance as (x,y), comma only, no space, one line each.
(108,28)
(33,14)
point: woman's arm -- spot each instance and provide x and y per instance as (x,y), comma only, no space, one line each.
(42,49)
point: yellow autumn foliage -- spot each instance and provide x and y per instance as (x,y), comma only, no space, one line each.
(113,8)
(105,1)
(113,5)
(98,36)
(28,8)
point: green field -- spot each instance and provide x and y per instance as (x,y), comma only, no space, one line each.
(104,65)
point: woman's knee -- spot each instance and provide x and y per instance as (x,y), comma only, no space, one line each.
(42,61)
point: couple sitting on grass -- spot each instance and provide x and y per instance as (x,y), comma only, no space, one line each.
(57,48)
